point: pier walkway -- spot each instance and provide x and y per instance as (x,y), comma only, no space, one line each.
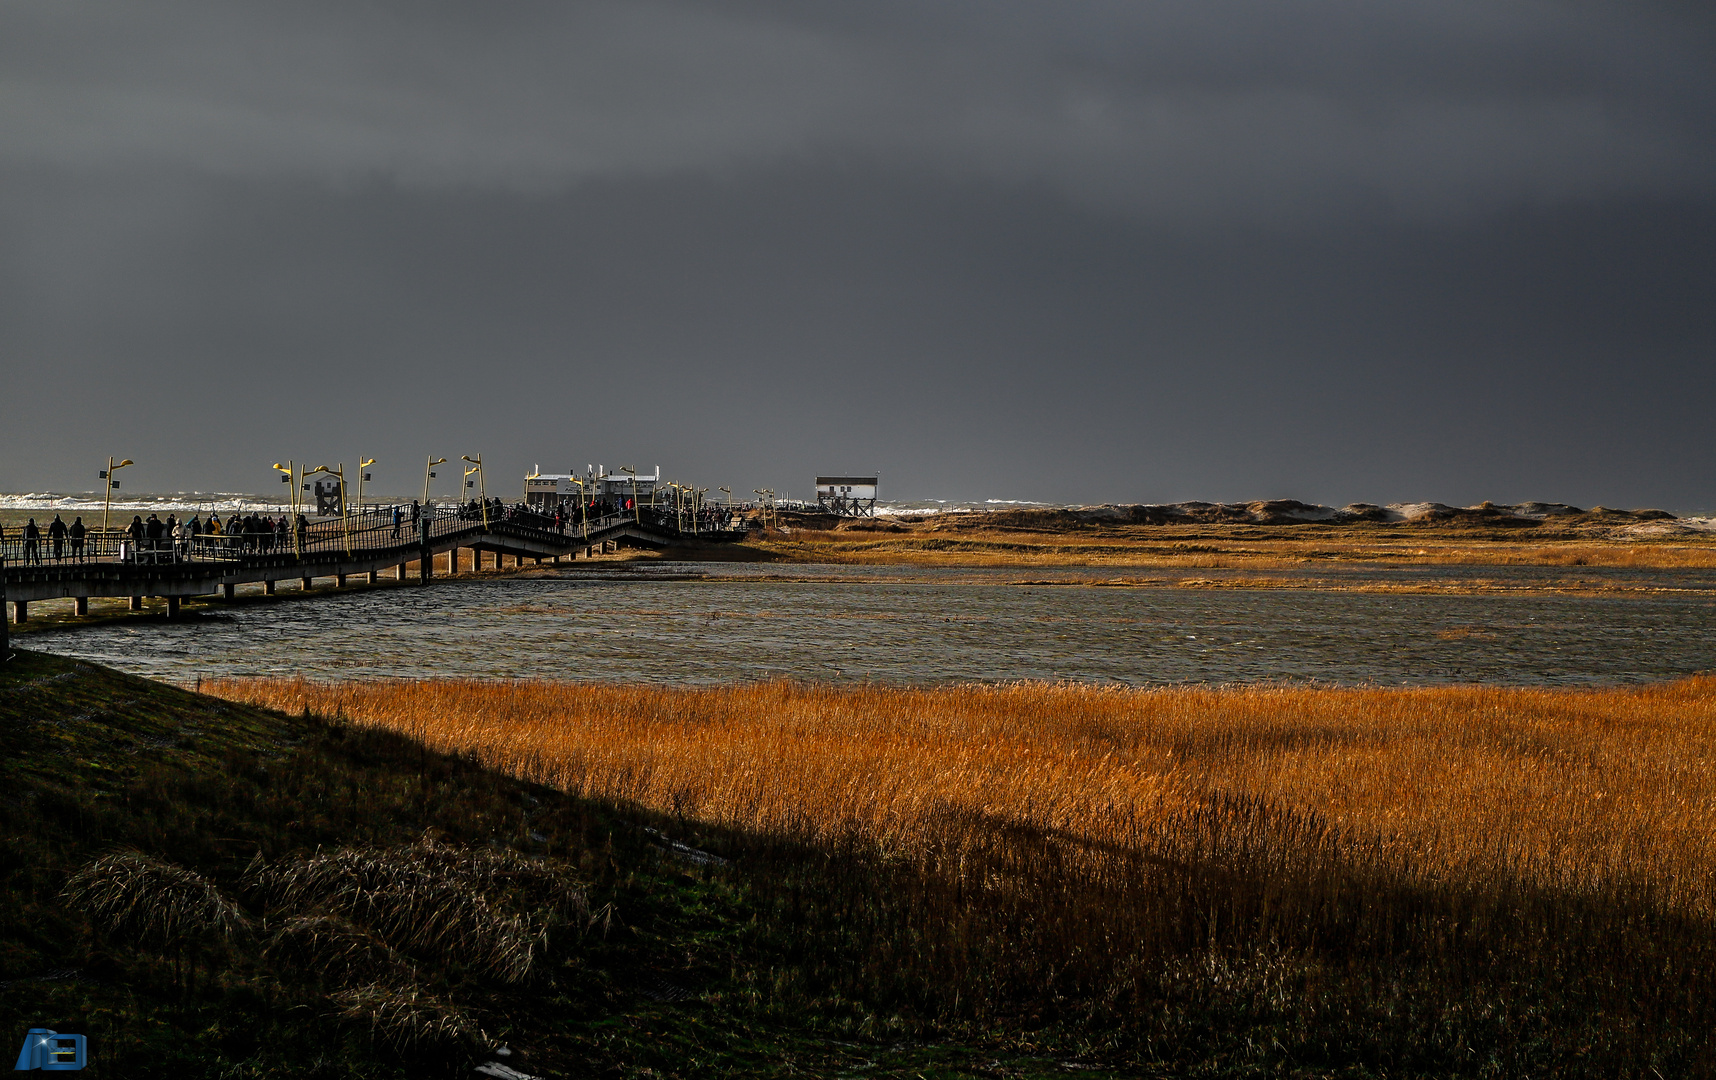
(368,544)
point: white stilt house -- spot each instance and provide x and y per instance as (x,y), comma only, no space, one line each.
(848,496)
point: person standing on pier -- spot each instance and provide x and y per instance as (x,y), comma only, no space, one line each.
(57,535)
(32,543)
(75,533)
(398,517)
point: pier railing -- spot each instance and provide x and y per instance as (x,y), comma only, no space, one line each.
(370,529)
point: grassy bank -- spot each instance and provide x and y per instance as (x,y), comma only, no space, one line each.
(389,880)
(207,889)
(1455,881)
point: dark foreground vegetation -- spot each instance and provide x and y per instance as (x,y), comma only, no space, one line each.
(205,888)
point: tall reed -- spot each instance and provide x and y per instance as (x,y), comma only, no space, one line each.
(1030,843)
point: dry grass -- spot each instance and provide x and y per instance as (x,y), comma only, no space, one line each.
(154,902)
(426,899)
(1427,869)
(1234,548)
(1554,788)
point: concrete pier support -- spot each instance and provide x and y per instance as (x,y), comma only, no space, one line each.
(136,603)
(340,581)
(268,588)
(81,605)
(172,607)
(399,574)
(374,576)
(228,592)
(20,611)
(305,583)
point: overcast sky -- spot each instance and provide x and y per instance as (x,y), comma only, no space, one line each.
(1066,251)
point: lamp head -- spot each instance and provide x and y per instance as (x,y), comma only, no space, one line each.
(366,463)
(124,463)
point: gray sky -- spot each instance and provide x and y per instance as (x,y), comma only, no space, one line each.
(1131,251)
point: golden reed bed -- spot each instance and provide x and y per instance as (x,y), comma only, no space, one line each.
(1570,791)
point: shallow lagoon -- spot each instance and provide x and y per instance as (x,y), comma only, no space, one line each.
(698,623)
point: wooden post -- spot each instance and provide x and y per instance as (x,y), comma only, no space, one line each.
(399,575)
(136,603)
(172,607)
(81,605)
(20,611)
(339,581)
(374,576)
(228,591)
(305,583)
(268,587)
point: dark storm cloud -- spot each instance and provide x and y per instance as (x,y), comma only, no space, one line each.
(1087,251)
(1217,107)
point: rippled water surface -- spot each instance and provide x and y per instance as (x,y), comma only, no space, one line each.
(694,623)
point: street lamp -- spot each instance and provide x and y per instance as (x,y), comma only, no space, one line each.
(637,511)
(430,463)
(482,489)
(111,483)
(362,476)
(288,475)
(583,508)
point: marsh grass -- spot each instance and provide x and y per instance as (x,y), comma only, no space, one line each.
(1236,547)
(1508,867)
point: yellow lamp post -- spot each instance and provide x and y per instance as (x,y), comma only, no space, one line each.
(482,488)
(583,508)
(363,463)
(109,484)
(290,474)
(637,511)
(696,506)
(429,463)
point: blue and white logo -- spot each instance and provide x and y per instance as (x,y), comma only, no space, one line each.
(50,1051)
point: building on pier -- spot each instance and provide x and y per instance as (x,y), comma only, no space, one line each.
(546,491)
(848,496)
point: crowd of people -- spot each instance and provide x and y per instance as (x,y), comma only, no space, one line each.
(172,539)
(59,538)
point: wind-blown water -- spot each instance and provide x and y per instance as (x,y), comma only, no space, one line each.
(700,624)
